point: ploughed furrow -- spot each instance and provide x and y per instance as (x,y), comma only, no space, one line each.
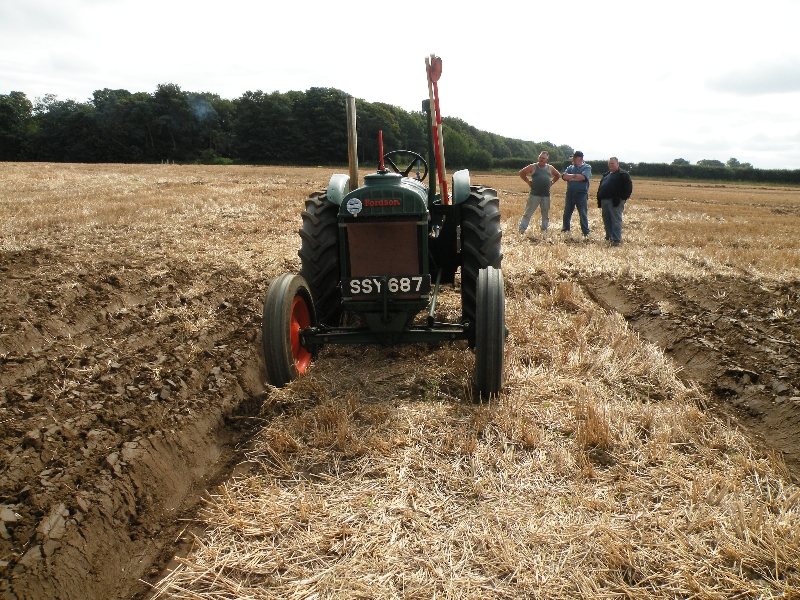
(737,338)
(145,367)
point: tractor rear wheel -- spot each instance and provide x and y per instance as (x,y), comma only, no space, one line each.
(288,309)
(480,245)
(490,334)
(319,256)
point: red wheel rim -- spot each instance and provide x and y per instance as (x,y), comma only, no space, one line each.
(299,319)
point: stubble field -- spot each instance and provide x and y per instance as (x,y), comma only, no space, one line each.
(645,445)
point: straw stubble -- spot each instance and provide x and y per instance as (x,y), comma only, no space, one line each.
(595,474)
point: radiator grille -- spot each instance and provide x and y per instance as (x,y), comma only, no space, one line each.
(383,248)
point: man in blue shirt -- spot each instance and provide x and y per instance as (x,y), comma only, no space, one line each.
(577,177)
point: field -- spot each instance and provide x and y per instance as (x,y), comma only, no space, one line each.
(646,444)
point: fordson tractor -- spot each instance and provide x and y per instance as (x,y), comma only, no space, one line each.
(379,254)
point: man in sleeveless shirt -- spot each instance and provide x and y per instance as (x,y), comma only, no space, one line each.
(577,177)
(542,176)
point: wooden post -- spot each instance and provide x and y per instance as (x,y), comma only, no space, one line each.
(352,142)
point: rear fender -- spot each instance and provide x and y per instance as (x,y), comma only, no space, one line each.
(461,189)
(339,187)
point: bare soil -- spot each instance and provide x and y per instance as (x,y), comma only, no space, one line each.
(110,429)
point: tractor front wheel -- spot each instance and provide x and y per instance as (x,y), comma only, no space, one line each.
(288,310)
(490,332)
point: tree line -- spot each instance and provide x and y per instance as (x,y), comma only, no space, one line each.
(714,170)
(703,170)
(171,124)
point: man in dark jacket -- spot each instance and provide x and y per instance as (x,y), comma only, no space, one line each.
(614,190)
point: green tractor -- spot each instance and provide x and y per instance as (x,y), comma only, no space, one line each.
(379,254)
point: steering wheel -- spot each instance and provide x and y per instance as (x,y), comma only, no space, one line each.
(417,159)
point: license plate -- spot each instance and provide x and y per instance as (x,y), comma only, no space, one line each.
(396,285)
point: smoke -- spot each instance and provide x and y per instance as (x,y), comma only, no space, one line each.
(201,108)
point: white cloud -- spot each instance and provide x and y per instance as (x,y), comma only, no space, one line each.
(781,76)
(35,16)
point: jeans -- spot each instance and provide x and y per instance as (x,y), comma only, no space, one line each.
(580,200)
(612,219)
(533,203)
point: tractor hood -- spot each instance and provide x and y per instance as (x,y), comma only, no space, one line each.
(386,194)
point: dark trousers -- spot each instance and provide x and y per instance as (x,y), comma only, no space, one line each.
(580,200)
(612,219)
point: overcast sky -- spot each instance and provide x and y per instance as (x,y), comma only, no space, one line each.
(646,81)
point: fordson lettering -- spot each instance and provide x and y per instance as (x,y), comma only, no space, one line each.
(382,203)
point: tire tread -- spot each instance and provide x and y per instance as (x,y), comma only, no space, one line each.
(481,243)
(319,256)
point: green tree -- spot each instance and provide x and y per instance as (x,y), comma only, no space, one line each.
(710,162)
(733,163)
(66,131)
(370,119)
(16,112)
(523,148)
(173,122)
(499,147)
(457,150)
(117,141)
(480,159)
(413,130)
(322,121)
(137,114)
(222,138)
(680,162)
(566,151)
(474,136)
(43,104)
(213,116)
(552,150)
(264,128)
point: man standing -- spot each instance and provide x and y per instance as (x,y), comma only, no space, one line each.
(543,176)
(614,190)
(577,177)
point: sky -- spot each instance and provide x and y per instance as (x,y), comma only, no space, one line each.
(646,81)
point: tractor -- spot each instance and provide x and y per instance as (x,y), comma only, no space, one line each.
(375,257)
